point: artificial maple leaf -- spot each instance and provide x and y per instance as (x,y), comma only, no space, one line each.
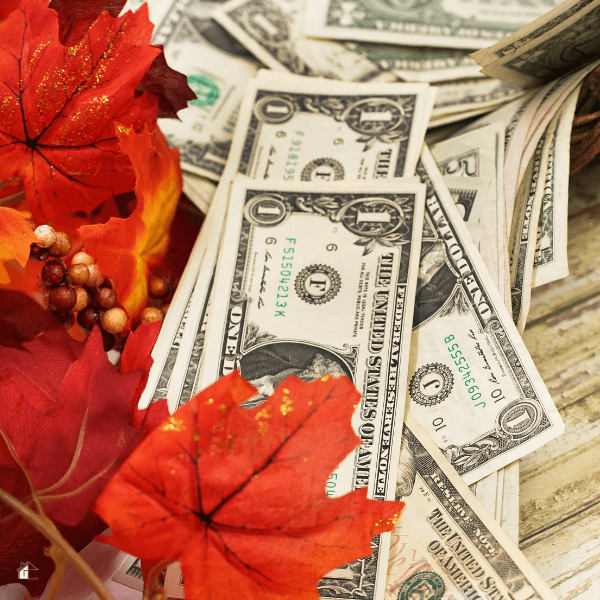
(169,86)
(66,413)
(7,6)
(60,104)
(16,238)
(22,319)
(238,495)
(127,249)
(75,17)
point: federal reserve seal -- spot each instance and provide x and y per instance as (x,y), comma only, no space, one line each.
(426,585)
(431,384)
(317,284)
(323,169)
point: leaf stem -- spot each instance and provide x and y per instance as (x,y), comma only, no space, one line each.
(50,532)
(152,591)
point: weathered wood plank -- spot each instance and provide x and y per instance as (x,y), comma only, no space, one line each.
(561,479)
(565,349)
(568,558)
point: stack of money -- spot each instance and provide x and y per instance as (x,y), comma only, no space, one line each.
(337,242)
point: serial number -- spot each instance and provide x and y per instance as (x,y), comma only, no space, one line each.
(463,367)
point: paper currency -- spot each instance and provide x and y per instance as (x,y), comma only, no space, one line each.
(472,198)
(300,129)
(271,30)
(449,24)
(314,279)
(419,64)
(472,384)
(470,96)
(130,573)
(479,153)
(445,544)
(562,40)
(528,203)
(550,261)
(199,190)
(217,68)
(166,348)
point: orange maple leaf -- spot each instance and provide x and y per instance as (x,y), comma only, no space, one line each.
(238,495)
(16,238)
(127,249)
(59,106)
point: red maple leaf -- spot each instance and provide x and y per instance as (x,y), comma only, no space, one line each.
(238,496)
(169,86)
(70,417)
(60,104)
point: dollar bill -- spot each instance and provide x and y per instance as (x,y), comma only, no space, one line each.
(465,96)
(165,350)
(315,279)
(508,515)
(199,190)
(445,544)
(550,106)
(217,68)
(479,153)
(472,198)
(419,64)
(130,573)
(550,260)
(327,131)
(528,203)
(560,41)
(450,24)
(271,30)
(473,386)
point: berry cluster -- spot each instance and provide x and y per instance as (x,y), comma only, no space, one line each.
(81,287)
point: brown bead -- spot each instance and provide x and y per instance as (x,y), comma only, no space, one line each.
(88,317)
(114,320)
(151,314)
(158,287)
(46,236)
(53,272)
(105,298)
(62,298)
(62,245)
(81,258)
(96,278)
(38,253)
(83,299)
(78,274)
(164,308)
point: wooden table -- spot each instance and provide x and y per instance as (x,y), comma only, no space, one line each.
(560,483)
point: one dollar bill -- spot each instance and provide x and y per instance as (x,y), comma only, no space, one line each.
(450,24)
(445,544)
(296,128)
(316,279)
(472,384)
